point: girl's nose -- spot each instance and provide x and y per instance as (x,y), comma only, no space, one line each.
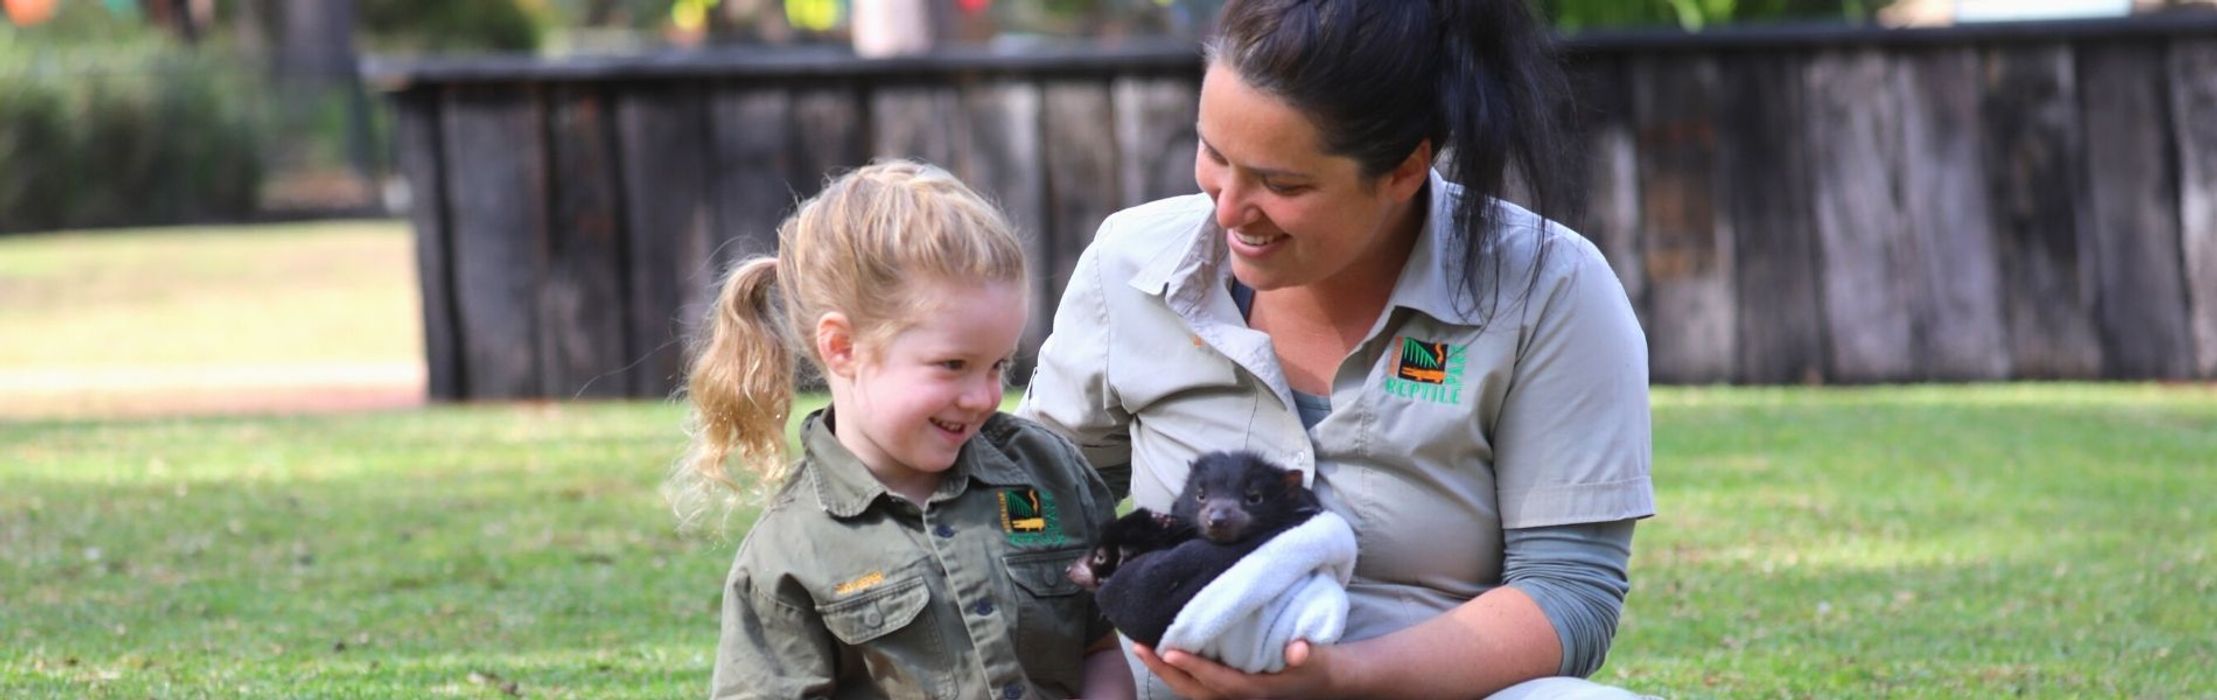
(981,394)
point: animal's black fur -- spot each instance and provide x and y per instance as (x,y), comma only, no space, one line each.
(1122,539)
(1237,501)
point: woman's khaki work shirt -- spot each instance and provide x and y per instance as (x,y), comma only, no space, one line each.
(844,590)
(1443,431)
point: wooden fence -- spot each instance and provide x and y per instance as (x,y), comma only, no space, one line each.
(1786,205)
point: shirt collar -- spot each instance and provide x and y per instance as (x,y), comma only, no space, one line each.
(1425,284)
(845,488)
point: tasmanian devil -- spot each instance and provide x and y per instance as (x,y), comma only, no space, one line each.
(1236,501)
(1125,538)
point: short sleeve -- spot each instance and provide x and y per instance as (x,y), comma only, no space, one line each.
(1572,443)
(1070,391)
(770,647)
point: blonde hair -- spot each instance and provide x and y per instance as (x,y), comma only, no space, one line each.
(859,248)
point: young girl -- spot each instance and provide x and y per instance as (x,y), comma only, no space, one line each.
(916,547)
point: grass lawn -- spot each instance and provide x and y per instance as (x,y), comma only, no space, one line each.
(151,321)
(2046,540)
(1947,541)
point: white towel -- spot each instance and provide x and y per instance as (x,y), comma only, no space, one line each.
(1292,587)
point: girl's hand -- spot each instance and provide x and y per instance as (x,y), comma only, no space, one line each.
(1307,674)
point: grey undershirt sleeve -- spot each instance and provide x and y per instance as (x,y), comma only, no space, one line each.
(1577,574)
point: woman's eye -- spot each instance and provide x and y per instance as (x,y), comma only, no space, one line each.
(1277,188)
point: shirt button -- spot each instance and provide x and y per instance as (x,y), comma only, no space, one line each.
(984,607)
(943,531)
(1013,691)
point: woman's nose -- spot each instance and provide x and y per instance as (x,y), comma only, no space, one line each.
(1231,207)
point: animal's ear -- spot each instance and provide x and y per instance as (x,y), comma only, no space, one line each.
(1293,478)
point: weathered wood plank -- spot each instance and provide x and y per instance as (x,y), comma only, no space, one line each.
(1956,313)
(1082,185)
(1610,215)
(498,206)
(1764,180)
(1003,121)
(752,127)
(665,142)
(2035,157)
(2194,119)
(581,311)
(1855,155)
(919,122)
(1685,234)
(2134,197)
(828,135)
(1154,136)
(419,155)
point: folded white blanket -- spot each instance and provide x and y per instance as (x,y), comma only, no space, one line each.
(1293,587)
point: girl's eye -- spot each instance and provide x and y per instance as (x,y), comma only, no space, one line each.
(953,365)
(1254,498)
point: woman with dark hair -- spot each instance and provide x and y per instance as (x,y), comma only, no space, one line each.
(1460,377)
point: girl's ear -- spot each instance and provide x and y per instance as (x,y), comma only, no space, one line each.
(835,344)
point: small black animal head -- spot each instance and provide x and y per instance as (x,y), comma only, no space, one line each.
(1123,539)
(1230,495)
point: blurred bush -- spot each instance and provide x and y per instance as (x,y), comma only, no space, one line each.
(106,123)
(427,26)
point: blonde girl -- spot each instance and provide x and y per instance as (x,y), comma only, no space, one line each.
(914,547)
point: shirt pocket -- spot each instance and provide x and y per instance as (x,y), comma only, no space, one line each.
(1051,616)
(891,630)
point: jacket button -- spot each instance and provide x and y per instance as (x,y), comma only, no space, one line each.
(1013,691)
(984,607)
(943,531)
(872,618)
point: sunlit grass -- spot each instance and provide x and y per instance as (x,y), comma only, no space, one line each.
(316,293)
(1927,542)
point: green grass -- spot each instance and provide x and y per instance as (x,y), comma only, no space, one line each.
(2042,540)
(209,319)
(1946,541)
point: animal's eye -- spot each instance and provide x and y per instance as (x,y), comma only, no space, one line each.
(1254,498)
(1100,557)
(1200,494)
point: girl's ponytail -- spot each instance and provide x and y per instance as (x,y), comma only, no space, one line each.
(740,386)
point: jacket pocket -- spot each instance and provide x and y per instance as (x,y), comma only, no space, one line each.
(890,629)
(1051,617)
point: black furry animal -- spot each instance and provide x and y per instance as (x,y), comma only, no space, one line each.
(1125,538)
(1236,501)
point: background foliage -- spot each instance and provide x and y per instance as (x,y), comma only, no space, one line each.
(105,121)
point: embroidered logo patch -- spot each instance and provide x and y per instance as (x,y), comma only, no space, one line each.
(1030,517)
(1429,371)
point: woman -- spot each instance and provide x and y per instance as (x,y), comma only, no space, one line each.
(1460,378)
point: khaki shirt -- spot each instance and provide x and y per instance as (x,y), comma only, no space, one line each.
(843,590)
(1442,433)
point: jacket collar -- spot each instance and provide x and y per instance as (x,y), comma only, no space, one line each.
(845,488)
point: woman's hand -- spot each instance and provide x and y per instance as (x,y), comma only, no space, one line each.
(1307,674)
